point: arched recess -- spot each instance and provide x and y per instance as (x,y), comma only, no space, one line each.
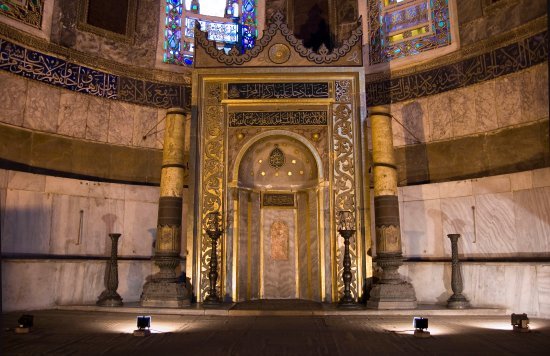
(276,178)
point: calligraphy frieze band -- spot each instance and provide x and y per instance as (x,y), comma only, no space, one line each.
(502,61)
(276,118)
(278,91)
(278,199)
(58,72)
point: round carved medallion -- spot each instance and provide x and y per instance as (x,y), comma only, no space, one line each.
(279,53)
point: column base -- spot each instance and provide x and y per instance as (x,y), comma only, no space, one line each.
(165,295)
(458,301)
(392,296)
(109,299)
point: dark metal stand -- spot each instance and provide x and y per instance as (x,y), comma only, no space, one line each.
(347,301)
(212,299)
(457,300)
(109,297)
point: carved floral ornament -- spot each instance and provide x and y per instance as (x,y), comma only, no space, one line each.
(279,53)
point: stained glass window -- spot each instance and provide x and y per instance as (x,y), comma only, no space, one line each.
(228,22)
(400,28)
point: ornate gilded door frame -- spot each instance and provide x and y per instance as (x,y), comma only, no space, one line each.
(212,96)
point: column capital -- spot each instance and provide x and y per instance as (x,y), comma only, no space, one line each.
(175,110)
(383,110)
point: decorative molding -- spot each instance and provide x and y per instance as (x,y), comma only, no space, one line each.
(345,55)
(183,76)
(277,118)
(489,65)
(29,12)
(59,72)
(278,90)
(278,199)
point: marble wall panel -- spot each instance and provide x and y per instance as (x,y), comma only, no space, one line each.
(494,184)
(521,180)
(4,178)
(140,228)
(398,131)
(97,120)
(440,117)
(66,186)
(3,193)
(161,116)
(420,192)
(534,93)
(279,275)
(242,248)
(26,181)
(121,123)
(457,216)
(107,190)
(142,193)
(79,282)
(454,189)
(484,284)
(104,216)
(257,275)
(13,91)
(508,100)
(41,107)
(27,222)
(67,228)
(485,105)
(132,276)
(422,233)
(435,275)
(532,214)
(495,225)
(144,123)
(28,285)
(73,109)
(522,289)
(541,177)
(463,111)
(543,284)
(415,119)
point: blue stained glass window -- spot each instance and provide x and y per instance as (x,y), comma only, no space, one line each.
(228,22)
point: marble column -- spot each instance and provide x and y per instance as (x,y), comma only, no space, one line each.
(390,291)
(164,290)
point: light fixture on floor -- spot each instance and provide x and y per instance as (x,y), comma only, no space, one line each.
(420,327)
(143,325)
(520,322)
(25,322)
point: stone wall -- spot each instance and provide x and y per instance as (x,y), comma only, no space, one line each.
(504,221)
(51,256)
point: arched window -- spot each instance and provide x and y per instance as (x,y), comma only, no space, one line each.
(228,22)
(400,28)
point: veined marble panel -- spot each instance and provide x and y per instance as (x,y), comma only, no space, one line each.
(144,121)
(463,111)
(484,284)
(532,214)
(161,117)
(4,178)
(440,116)
(26,181)
(279,275)
(67,229)
(255,270)
(458,218)
(541,177)
(121,123)
(435,275)
(73,109)
(543,283)
(495,225)
(42,107)
(508,100)
(422,232)
(104,216)
(13,91)
(27,222)
(131,276)
(140,228)
(302,244)
(485,104)
(397,130)
(97,120)
(522,289)
(78,282)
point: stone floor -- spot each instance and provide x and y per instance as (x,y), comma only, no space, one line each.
(96,333)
